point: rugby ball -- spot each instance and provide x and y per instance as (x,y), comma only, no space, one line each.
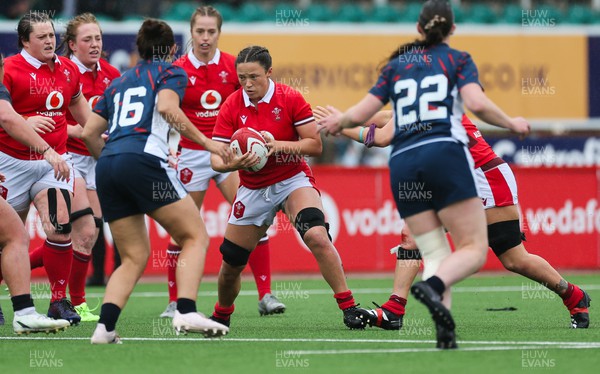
(249,140)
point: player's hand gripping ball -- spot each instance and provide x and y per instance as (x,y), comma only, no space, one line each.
(249,140)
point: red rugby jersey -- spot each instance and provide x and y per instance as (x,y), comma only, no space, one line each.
(480,150)
(38,91)
(279,112)
(207,88)
(91,88)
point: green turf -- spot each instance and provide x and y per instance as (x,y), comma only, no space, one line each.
(310,336)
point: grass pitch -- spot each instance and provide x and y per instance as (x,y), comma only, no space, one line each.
(528,329)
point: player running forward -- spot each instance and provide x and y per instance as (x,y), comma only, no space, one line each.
(211,79)
(429,152)
(43,87)
(14,241)
(289,185)
(498,189)
(134,179)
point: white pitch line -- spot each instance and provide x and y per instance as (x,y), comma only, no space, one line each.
(298,354)
(538,344)
(296,293)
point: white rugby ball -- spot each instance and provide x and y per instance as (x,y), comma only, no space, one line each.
(249,140)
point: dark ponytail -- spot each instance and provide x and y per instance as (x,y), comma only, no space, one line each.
(436,20)
(155,40)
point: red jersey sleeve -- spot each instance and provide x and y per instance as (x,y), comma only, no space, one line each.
(301,111)
(225,125)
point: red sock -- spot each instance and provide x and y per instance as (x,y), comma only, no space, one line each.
(223,313)
(58,257)
(173,251)
(79,270)
(344,299)
(260,263)
(395,304)
(36,257)
(572,296)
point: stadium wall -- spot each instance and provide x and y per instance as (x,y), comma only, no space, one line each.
(542,73)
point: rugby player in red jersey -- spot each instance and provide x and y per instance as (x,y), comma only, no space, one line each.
(284,183)
(211,79)
(14,241)
(43,87)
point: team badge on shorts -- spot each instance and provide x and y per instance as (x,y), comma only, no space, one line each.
(238,209)
(185,175)
(3,192)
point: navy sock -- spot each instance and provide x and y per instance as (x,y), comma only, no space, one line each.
(21,302)
(186,306)
(437,284)
(109,314)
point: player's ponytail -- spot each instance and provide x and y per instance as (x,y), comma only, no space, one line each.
(255,53)
(155,40)
(436,20)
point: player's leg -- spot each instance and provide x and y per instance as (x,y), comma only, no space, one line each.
(389,315)
(182,221)
(194,172)
(260,258)
(173,252)
(99,247)
(236,247)
(505,240)
(53,205)
(131,236)
(304,208)
(84,236)
(14,263)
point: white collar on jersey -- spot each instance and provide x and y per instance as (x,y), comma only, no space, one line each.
(197,63)
(266,99)
(34,61)
(82,67)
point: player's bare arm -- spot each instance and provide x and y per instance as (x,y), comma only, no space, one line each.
(244,161)
(80,109)
(477,102)
(168,107)
(355,116)
(309,143)
(16,127)
(92,134)
(75,131)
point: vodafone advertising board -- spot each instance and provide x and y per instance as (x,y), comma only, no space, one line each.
(560,209)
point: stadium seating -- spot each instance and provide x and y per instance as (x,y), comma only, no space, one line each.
(477,12)
(252,12)
(319,13)
(385,13)
(351,13)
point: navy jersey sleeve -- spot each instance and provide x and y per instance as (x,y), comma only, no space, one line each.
(173,78)
(466,71)
(381,89)
(4,95)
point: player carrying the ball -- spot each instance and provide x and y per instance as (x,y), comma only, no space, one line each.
(284,183)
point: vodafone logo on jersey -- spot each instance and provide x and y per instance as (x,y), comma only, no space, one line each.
(93,101)
(55,100)
(211,100)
